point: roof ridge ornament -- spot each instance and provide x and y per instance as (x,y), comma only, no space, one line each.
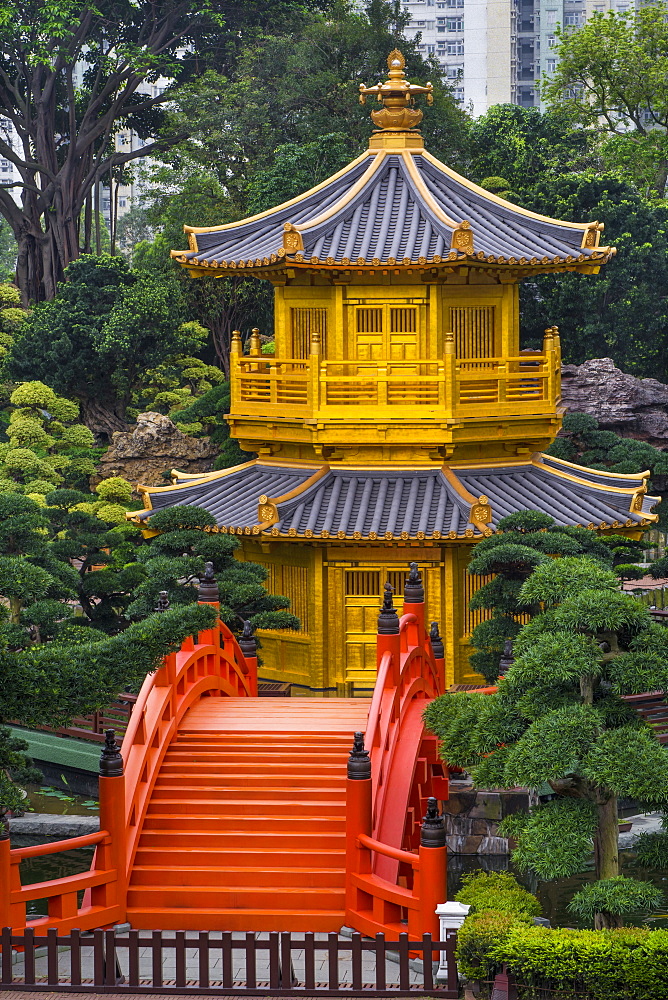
(397,95)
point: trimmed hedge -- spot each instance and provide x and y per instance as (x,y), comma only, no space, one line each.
(607,965)
(626,964)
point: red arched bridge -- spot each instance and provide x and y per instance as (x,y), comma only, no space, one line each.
(225,811)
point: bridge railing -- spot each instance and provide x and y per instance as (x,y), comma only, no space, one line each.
(393,775)
(213,663)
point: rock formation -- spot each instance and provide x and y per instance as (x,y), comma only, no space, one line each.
(153,447)
(632,407)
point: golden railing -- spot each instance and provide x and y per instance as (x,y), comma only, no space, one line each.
(446,387)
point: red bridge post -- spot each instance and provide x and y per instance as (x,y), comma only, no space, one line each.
(433,869)
(112,851)
(358,818)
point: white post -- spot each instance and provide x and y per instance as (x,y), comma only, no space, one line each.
(451,916)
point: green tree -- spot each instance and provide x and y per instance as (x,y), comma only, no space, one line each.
(174,562)
(582,441)
(523,146)
(49,683)
(46,444)
(71,75)
(621,312)
(294,88)
(558,725)
(197,197)
(96,339)
(610,77)
(525,540)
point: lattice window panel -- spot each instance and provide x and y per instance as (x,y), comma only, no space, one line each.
(403,320)
(369,320)
(472,583)
(371,583)
(473,327)
(291,582)
(306,322)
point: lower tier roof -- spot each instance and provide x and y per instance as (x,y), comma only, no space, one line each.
(271,498)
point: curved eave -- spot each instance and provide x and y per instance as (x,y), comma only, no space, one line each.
(518,267)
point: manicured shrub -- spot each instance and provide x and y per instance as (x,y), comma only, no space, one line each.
(497,891)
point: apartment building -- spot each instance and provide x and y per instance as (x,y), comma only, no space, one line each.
(495,51)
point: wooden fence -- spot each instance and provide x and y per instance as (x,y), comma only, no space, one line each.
(229,964)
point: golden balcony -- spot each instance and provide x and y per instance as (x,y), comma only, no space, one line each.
(384,390)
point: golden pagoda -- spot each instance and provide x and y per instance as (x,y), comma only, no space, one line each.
(399,419)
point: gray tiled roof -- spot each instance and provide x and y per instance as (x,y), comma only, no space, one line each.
(363,503)
(393,217)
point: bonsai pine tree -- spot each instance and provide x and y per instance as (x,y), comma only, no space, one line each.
(174,561)
(558,725)
(525,540)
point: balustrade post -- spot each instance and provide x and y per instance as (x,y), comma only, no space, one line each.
(502,381)
(438,652)
(235,373)
(550,358)
(414,600)
(166,673)
(254,346)
(112,851)
(358,821)
(382,386)
(433,871)
(314,374)
(450,375)
(388,639)
(248,646)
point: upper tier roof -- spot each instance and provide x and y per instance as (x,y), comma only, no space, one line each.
(395,207)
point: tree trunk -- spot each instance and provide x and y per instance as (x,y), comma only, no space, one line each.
(103,418)
(606,852)
(15,606)
(587,689)
(607,922)
(606,840)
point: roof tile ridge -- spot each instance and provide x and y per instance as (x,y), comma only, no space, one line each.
(425,193)
(302,487)
(476,189)
(460,490)
(286,204)
(195,479)
(599,472)
(347,197)
(538,463)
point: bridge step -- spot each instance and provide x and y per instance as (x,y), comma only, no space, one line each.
(220,789)
(261,875)
(236,808)
(237,919)
(249,810)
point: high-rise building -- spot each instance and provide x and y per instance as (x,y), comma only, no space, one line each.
(495,51)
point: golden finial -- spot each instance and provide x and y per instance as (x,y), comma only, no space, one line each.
(397,96)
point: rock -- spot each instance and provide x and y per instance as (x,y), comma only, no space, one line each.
(632,407)
(153,447)
(53,826)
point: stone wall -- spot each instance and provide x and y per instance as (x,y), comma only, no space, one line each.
(472,817)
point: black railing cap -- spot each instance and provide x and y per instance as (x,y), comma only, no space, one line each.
(111,761)
(388,619)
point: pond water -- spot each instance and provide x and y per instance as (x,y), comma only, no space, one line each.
(42,799)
